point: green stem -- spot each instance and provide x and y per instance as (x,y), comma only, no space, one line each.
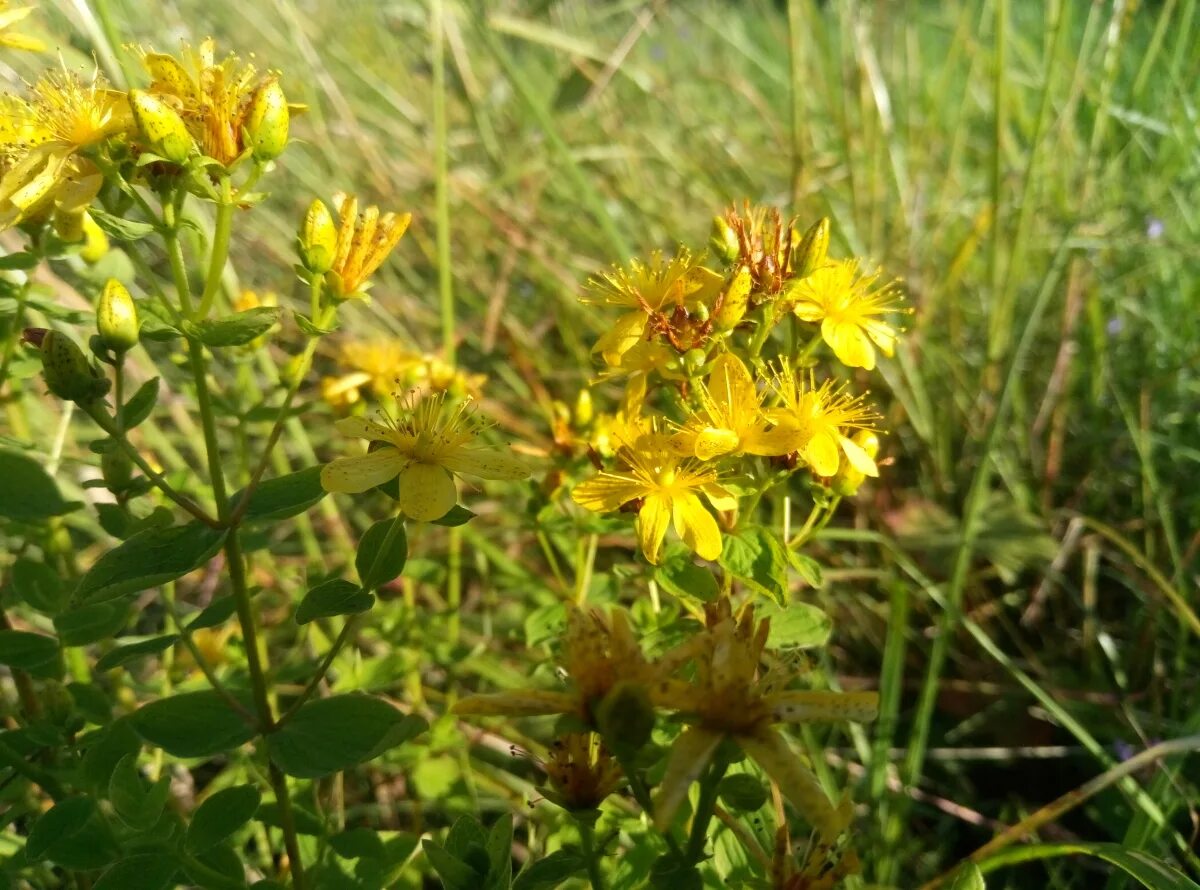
(288,822)
(11,758)
(441,180)
(642,795)
(10,342)
(220,248)
(587,839)
(704,808)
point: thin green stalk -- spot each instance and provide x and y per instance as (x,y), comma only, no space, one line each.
(441,180)
(10,342)
(11,758)
(704,808)
(222,231)
(587,839)
(641,794)
(1000,314)
(891,685)
(287,821)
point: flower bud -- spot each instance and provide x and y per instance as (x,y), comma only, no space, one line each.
(812,250)
(57,703)
(116,467)
(267,121)
(724,240)
(318,239)
(161,126)
(116,317)
(95,241)
(68,225)
(585,411)
(66,370)
(734,302)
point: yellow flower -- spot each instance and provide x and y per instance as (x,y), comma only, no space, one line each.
(730,699)
(426,447)
(10,18)
(41,139)
(818,419)
(667,490)
(848,306)
(649,290)
(599,654)
(377,366)
(823,866)
(363,243)
(731,418)
(213,98)
(581,770)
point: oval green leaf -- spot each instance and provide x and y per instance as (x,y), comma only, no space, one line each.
(334,597)
(220,816)
(194,724)
(148,559)
(283,496)
(128,652)
(374,567)
(28,493)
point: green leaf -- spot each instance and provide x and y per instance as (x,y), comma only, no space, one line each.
(39,586)
(742,792)
(756,557)
(679,576)
(106,749)
(133,651)
(499,850)
(18,261)
(798,626)
(120,229)
(61,822)
(969,877)
(223,869)
(807,568)
(455,874)
(458,515)
(550,871)
(158,330)
(305,324)
(194,724)
(218,612)
(390,564)
(220,816)
(334,597)
(358,843)
(1144,868)
(148,559)
(283,496)
(306,822)
(332,734)
(148,871)
(233,330)
(140,404)
(28,493)
(93,704)
(90,624)
(37,654)
(138,806)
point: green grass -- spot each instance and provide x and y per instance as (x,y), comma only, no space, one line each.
(1029,170)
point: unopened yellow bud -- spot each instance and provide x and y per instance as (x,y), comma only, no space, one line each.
(733,304)
(267,121)
(161,127)
(67,372)
(68,225)
(95,240)
(812,250)
(318,239)
(724,240)
(584,409)
(116,317)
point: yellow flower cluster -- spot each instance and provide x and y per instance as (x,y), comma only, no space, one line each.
(729,696)
(58,139)
(720,370)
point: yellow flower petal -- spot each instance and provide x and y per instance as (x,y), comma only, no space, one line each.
(486,463)
(795,780)
(883,335)
(687,761)
(524,703)
(712,442)
(427,492)
(621,337)
(607,492)
(807,311)
(849,344)
(821,453)
(361,428)
(773,442)
(351,475)
(696,526)
(720,497)
(802,706)
(652,523)
(858,458)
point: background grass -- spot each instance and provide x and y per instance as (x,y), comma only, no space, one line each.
(1020,577)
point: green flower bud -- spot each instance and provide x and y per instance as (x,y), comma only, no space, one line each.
(812,250)
(734,302)
(67,372)
(318,239)
(116,317)
(161,126)
(724,240)
(57,703)
(68,225)
(742,792)
(625,719)
(694,359)
(267,121)
(116,467)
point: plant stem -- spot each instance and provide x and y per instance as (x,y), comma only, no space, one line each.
(220,249)
(587,838)
(11,341)
(704,808)
(288,822)
(642,795)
